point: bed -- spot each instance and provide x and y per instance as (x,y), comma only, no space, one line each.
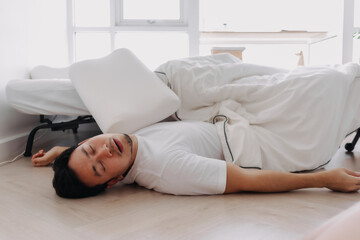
(106,87)
(49,92)
(193,91)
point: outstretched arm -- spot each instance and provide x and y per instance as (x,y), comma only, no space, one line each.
(42,158)
(240,179)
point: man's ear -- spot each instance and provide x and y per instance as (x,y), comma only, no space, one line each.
(113,181)
(83,141)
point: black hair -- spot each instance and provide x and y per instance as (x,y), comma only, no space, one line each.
(65,181)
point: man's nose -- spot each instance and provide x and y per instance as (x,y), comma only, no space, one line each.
(105,151)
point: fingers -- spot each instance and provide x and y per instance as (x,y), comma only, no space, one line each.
(355,187)
(354,184)
(35,161)
(38,162)
(38,154)
(352,173)
(345,180)
(38,159)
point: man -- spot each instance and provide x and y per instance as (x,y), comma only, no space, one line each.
(182,158)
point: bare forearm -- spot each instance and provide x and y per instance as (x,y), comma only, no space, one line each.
(239,179)
(43,158)
(272,181)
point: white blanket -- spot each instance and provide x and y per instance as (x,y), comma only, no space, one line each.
(269,118)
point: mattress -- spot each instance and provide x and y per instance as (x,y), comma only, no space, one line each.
(45,96)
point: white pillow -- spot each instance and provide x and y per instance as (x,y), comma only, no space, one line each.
(46,72)
(121,93)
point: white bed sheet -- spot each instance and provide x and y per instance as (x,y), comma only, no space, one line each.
(45,96)
(268,118)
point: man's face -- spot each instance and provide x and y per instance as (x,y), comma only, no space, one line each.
(102,158)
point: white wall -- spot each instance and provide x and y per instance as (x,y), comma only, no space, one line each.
(32,32)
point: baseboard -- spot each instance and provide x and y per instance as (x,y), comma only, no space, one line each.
(12,147)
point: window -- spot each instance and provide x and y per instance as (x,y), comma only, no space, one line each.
(265,16)
(153,10)
(153,48)
(86,42)
(356,30)
(357,13)
(91,13)
(155,30)
(276,16)
(159,30)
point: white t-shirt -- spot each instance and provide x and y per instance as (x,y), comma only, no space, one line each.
(181,158)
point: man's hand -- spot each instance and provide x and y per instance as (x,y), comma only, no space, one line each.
(42,158)
(342,180)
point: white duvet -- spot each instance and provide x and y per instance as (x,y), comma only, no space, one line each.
(269,118)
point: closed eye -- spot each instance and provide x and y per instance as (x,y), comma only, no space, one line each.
(95,171)
(102,164)
(92,149)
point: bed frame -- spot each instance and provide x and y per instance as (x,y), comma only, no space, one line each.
(61,126)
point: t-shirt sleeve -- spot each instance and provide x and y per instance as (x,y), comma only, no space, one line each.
(189,174)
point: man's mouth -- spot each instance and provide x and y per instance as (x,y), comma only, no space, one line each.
(118,145)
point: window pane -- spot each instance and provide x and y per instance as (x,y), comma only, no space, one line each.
(154,9)
(357,13)
(91,45)
(274,15)
(154,48)
(356,50)
(92,13)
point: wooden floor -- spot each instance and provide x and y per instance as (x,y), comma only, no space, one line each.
(29,208)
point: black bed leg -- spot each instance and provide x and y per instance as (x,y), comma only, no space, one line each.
(350,146)
(75,130)
(30,142)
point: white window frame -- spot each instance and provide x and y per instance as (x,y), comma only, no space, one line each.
(188,22)
(348,30)
(150,22)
